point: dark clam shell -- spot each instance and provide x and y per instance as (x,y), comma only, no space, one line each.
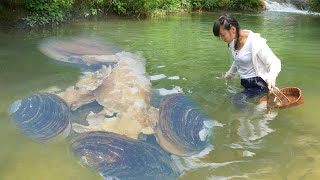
(41,116)
(183,128)
(114,155)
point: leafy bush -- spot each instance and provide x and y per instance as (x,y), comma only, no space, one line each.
(91,8)
(170,5)
(314,5)
(1,9)
(47,11)
(147,7)
(245,4)
(136,7)
(227,4)
(42,12)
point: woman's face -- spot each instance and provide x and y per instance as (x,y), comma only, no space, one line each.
(227,35)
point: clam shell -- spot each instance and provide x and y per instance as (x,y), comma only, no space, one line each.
(114,155)
(87,53)
(183,128)
(41,116)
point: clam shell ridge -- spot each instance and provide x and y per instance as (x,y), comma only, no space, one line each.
(41,117)
(114,155)
(183,128)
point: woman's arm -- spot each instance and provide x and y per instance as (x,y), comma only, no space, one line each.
(232,71)
(272,62)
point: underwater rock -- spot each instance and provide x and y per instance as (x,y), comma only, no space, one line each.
(41,116)
(183,129)
(113,155)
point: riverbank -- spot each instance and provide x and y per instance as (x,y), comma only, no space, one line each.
(33,13)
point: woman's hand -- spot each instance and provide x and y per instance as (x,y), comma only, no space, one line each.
(271,83)
(227,77)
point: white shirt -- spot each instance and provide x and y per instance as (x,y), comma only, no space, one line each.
(265,62)
(243,58)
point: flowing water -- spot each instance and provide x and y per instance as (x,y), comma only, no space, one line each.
(285,6)
(182,55)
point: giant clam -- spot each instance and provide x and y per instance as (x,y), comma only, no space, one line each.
(83,52)
(183,129)
(41,116)
(114,155)
(122,88)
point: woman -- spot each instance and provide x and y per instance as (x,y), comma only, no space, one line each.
(253,60)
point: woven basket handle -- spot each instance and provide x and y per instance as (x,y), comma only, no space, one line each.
(279,96)
(277,90)
(271,101)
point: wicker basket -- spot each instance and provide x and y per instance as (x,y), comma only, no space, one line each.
(283,98)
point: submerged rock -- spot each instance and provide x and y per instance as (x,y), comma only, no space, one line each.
(183,129)
(41,116)
(114,155)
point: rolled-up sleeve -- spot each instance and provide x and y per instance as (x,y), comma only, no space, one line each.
(270,60)
(233,70)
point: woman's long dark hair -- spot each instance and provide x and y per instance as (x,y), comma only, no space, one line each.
(227,22)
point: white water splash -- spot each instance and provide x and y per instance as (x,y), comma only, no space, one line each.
(248,154)
(174,90)
(217,124)
(186,164)
(245,144)
(162,76)
(157,77)
(14,107)
(159,67)
(285,7)
(244,176)
(174,77)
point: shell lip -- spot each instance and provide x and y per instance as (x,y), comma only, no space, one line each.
(14,107)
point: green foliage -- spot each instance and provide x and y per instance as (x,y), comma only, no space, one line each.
(224,4)
(137,7)
(314,5)
(119,7)
(245,4)
(42,12)
(170,5)
(151,7)
(186,5)
(47,11)
(1,9)
(11,11)
(91,8)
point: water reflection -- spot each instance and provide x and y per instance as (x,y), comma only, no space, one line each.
(253,124)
